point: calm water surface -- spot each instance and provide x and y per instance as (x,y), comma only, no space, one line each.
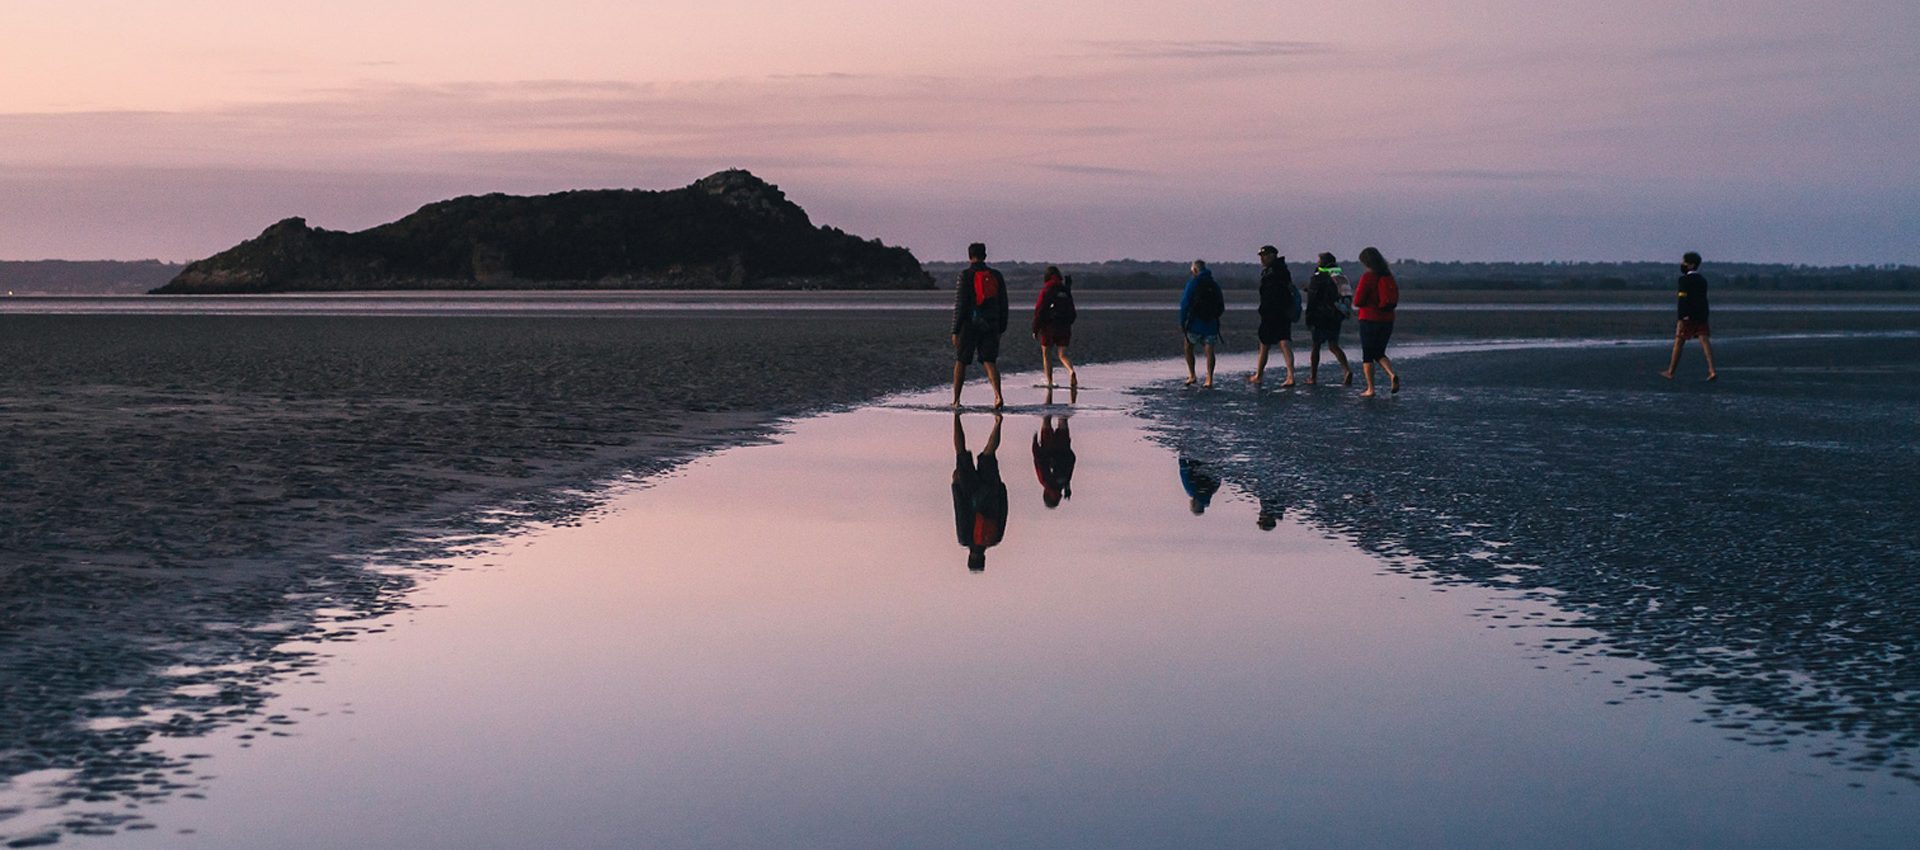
(783,646)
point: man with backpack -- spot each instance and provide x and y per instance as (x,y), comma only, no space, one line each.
(979,318)
(1201,305)
(1279,309)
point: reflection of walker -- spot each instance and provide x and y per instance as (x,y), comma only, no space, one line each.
(1053,460)
(979,496)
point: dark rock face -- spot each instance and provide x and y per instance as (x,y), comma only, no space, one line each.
(730,230)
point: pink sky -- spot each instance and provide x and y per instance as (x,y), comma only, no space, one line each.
(1064,131)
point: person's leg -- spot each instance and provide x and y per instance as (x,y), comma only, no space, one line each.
(1046,363)
(1313,365)
(1286,348)
(1345,367)
(993,439)
(1673,362)
(1259,365)
(1392,376)
(1073,378)
(993,377)
(1706,348)
(1209,364)
(1366,367)
(959,375)
(1187,346)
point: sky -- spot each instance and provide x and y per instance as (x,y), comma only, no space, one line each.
(1753,130)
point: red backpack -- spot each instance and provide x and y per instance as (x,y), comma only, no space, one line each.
(986,288)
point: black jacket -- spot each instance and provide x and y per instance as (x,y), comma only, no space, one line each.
(1276,293)
(1693,296)
(1323,301)
(995,309)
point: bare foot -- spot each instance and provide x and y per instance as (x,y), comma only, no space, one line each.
(1347,381)
(1208,384)
(1396,384)
(1191,379)
(1310,382)
(1713,376)
(1367,394)
(999,403)
(1254,378)
(1288,383)
(956,404)
(1667,375)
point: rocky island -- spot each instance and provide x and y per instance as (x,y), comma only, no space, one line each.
(730,230)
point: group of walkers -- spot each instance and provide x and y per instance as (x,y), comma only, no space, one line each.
(980,311)
(1324,308)
(980,317)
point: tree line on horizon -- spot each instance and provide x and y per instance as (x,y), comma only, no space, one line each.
(1462,275)
(130,277)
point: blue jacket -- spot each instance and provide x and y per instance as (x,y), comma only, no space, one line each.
(1193,325)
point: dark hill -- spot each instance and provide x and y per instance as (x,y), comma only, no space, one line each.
(731,230)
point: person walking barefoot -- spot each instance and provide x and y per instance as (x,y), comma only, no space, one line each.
(1278,300)
(1324,316)
(1374,300)
(1053,316)
(1201,305)
(1693,316)
(979,318)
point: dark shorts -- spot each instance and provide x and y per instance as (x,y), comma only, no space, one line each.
(974,345)
(1275,331)
(1373,339)
(1692,329)
(1328,332)
(1057,336)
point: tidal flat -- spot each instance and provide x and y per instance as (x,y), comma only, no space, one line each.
(205,509)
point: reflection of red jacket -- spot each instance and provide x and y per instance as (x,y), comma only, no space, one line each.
(1375,298)
(1039,304)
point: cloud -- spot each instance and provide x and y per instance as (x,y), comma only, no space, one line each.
(1091,170)
(1488,175)
(1206,49)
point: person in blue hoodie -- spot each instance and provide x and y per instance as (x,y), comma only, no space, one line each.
(1201,306)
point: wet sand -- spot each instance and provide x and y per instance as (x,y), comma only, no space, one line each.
(782,646)
(1752,538)
(187,494)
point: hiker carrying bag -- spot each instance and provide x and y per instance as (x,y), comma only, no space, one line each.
(984,319)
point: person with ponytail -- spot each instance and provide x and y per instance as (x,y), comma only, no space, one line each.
(1374,300)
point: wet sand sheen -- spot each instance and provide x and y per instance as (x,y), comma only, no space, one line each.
(781,646)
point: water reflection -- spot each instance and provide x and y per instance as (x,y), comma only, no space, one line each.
(1200,482)
(1053,459)
(979,496)
(1750,540)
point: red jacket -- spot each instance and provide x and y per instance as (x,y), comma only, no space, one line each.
(1375,298)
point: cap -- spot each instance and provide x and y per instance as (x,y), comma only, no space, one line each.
(1269,249)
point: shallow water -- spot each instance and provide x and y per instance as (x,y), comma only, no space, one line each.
(783,646)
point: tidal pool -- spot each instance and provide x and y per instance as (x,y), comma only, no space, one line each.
(784,645)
